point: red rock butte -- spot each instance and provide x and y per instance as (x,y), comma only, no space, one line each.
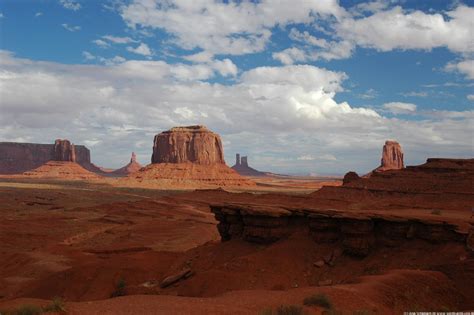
(64,151)
(242,167)
(130,168)
(392,157)
(195,144)
(190,156)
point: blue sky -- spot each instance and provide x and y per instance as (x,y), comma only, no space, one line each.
(301,87)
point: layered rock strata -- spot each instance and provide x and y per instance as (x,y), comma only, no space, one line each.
(195,144)
(357,233)
(392,157)
(16,158)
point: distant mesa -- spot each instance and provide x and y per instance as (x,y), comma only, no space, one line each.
(132,167)
(242,167)
(392,157)
(191,155)
(17,158)
(63,165)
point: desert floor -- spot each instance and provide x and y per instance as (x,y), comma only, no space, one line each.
(80,240)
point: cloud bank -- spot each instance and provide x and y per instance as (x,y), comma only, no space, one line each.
(287,116)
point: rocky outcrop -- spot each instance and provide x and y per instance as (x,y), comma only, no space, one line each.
(64,151)
(242,167)
(16,158)
(392,157)
(195,144)
(188,157)
(358,234)
(385,209)
(350,177)
(132,167)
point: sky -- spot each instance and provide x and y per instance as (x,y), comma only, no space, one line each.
(300,87)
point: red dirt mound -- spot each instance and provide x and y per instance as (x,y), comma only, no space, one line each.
(61,170)
(186,175)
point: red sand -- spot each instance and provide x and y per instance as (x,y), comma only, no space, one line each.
(76,241)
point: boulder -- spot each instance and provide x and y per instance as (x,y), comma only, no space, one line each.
(195,144)
(183,274)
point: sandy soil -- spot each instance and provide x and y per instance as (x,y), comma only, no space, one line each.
(78,240)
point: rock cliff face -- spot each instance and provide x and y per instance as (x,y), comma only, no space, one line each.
(16,158)
(358,234)
(64,151)
(392,157)
(242,167)
(195,144)
(385,209)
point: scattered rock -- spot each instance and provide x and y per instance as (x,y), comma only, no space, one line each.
(323,283)
(185,273)
(470,240)
(319,263)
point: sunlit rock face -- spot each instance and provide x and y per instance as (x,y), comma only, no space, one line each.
(195,144)
(392,157)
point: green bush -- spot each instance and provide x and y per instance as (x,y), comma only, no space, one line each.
(57,305)
(120,288)
(24,310)
(284,310)
(318,300)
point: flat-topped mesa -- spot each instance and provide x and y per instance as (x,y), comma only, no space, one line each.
(392,157)
(64,151)
(195,144)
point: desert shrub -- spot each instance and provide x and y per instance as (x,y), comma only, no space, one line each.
(24,310)
(289,310)
(318,300)
(284,310)
(56,305)
(120,288)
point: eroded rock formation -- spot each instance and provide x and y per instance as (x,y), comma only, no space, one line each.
(392,157)
(350,177)
(132,167)
(64,151)
(357,233)
(385,209)
(190,157)
(195,144)
(242,167)
(16,158)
